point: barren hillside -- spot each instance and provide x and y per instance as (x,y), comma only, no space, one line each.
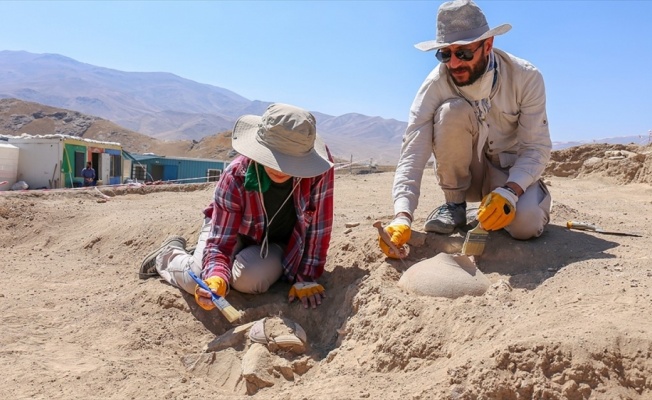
(18,117)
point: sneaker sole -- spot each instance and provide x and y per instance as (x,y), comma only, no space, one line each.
(142,272)
(434,227)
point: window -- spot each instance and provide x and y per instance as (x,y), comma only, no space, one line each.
(116,165)
(80,163)
(140,172)
(213,175)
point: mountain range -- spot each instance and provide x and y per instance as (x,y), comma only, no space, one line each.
(175,110)
(166,106)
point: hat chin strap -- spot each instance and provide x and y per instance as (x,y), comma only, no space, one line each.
(264,246)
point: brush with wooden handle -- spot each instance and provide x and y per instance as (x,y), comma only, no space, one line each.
(583,226)
(475,241)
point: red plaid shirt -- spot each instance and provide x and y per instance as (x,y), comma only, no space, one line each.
(237,211)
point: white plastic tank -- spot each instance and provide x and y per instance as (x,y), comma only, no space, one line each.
(8,165)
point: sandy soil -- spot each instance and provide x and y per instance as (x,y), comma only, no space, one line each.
(567,315)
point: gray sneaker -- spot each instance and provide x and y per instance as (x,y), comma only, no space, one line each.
(148,266)
(445,218)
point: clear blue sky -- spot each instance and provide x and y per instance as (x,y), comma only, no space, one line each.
(338,57)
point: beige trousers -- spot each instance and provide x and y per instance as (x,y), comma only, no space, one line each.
(463,177)
(250,273)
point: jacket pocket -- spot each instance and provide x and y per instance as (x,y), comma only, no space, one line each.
(507,123)
(507,159)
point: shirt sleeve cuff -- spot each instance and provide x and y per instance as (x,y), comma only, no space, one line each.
(522,179)
(403,205)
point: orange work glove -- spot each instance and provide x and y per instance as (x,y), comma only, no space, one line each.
(399,231)
(217,286)
(497,209)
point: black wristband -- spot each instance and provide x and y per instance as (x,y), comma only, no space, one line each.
(511,190)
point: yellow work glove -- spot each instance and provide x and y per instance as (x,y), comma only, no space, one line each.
(497,209)
(310,293)
(303,289)
(217,286)
(399,231)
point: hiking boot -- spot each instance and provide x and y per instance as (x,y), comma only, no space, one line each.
(148,266)
(445,218)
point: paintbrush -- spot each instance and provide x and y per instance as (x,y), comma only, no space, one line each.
(475,240)
(220,302)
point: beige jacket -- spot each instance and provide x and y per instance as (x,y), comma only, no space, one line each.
(518,127)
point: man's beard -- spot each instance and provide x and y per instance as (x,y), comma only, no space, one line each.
(474,72)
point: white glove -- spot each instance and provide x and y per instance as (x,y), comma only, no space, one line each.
(509,195)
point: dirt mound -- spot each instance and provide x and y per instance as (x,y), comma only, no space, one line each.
(621,164)
(566,315)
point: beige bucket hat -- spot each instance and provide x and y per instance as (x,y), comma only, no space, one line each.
(461,22)
(285,139)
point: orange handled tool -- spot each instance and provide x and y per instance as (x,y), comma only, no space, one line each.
(583,226)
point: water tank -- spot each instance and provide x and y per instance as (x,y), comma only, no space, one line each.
(8,166)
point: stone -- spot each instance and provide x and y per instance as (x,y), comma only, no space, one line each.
(445,275)
(257,368)
(233,338)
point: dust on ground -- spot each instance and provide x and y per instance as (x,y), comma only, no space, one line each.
(566,316)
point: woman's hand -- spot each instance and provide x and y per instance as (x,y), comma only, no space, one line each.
(310,293)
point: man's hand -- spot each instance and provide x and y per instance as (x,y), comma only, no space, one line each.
(308,292)
(497,209)
(217,286)
(399,232)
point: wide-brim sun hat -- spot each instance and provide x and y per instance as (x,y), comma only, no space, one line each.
(461,22)
(284,138)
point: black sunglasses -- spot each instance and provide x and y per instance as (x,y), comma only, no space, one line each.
(462,54)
